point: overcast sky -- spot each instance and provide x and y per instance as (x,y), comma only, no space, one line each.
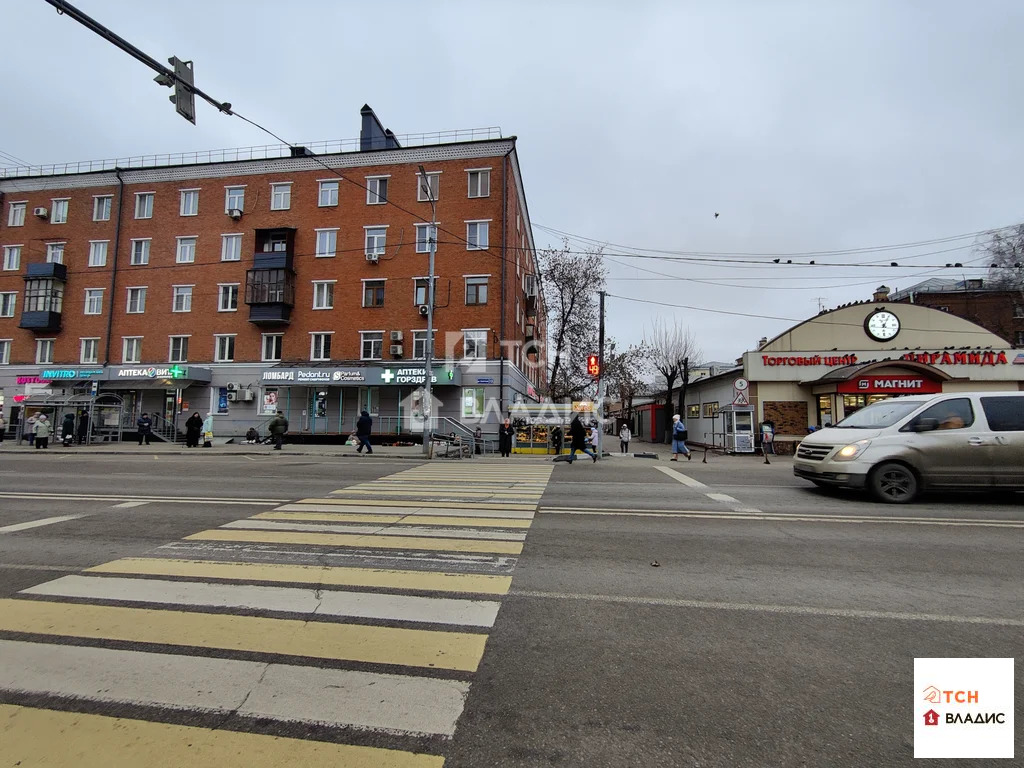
(808,126)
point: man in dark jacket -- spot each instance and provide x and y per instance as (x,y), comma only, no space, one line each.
(193,428)
(278,426)
(83,427)
(506,433)
(578,433)
(145,425)
(363,426)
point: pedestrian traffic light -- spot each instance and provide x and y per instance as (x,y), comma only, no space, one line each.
(593,365)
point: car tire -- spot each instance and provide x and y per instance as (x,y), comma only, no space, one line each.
(893,483)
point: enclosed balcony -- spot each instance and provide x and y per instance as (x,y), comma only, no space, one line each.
(270,294)
(44,297)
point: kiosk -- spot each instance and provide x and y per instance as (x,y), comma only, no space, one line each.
(738,427)
(537,424)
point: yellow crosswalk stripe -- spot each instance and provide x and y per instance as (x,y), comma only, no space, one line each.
(421,493)
(417,504)
(337,517)
(333,576)
(367,541)
(289,637)
(39,737)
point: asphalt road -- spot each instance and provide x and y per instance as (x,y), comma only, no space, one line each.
(777,628)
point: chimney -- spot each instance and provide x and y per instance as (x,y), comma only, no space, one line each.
(881,293)
(762,342)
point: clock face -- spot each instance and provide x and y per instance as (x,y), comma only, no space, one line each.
(882,325)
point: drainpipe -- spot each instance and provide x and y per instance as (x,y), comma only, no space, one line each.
(113,270)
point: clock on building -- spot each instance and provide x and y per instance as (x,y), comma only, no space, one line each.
(882,325)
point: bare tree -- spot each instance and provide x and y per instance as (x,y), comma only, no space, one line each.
(626,373)
(1006,251)
(571,281)
(672,349)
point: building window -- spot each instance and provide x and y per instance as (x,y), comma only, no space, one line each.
(479,182)
(143,205)
(44,351)
(94,301)
(424,234)
(272,347)
(328,197)
(710,410)
(376,238)
(12,258)
(280,197)
(269,286)
(59,214)
(16,215)
(7,302)
(101,205)
(323,294)
(430,189)
(227,297)
(44,295)
(373,293)
(419,344)
(230,247)
(320,346)
(186,252)
(55,253)
(476,290)
(476,235)
(376,190)
(472,401)
(474,344)
(189,202)
(90,351)
(5,351)
(182,301)
(224,348)
(1019,336)
(131,349)
(140,252)
(419,294)
(234,199)
(326,242)
(1018,310)
(371,345)
(136,301)
(693,412)
(98,253)
(178,352)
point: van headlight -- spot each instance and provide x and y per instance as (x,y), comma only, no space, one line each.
(851,451)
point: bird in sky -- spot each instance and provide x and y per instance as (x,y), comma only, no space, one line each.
(716,215)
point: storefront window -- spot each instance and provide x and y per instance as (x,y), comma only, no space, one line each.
(269,401)
(472,401)
(369,400)
(710,410)
(693,411)
(825,416)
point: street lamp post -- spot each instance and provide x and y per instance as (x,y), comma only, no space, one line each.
(428,363)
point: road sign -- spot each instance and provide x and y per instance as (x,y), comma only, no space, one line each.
(740,399)
(740,385)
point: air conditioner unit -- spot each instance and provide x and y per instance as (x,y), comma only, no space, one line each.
(373,258)
(235,213)
(232,397)
(232,386)
(396,350)
(396,335)
(40,212)
(248,395)
(424,309)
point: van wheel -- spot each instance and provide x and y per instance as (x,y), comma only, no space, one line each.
(893,484)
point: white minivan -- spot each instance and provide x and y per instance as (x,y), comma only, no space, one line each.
(900,447)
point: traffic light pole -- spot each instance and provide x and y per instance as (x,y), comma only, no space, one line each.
(428,363)
(600,379)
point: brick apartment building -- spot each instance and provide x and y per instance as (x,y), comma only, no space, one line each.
(240,286)
(998,309)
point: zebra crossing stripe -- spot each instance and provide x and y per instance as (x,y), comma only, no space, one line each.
(288,637)
(43,737)
(410,518)
(404,507)
(407,528)
(362,541)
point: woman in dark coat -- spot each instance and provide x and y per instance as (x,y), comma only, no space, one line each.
(193,427)
(578,433)
(67,429)
(505,434)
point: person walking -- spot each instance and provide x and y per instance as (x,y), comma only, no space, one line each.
(145,426)
(578,439)
(506,433)
(556,440)
(3,426)
(42,431)
(67,429)
(278,426)
(83,427)
(364,424)
(478,439)
(624,437)
(193,426)
(679,439)
(207,430)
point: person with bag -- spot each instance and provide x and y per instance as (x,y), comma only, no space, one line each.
(208,431)
(278,426)
(67,429)
(679,439)
(363,426)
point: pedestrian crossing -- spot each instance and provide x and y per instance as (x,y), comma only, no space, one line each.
(331,631)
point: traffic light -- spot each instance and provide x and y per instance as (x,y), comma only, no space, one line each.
(593,365)
(184,100)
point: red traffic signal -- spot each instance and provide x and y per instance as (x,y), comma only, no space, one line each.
(593,365)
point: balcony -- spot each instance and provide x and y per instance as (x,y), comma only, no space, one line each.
(40,321)
(270,294)
(44,297)
(46,271)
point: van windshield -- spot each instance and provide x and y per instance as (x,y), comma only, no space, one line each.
(881,414)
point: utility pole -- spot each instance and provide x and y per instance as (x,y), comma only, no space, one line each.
(600,379)
(428,405)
